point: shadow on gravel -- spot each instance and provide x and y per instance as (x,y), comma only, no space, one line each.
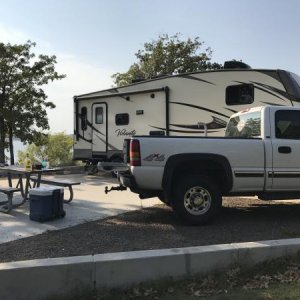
(241,220)
(263,212)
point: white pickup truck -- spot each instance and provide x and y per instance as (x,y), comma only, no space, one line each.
(259,155)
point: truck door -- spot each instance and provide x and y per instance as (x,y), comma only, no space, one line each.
(286,150)
(99,127)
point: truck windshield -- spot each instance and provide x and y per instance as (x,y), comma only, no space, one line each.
(245,125)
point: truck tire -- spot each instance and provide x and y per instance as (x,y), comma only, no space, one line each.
(164,199)
(196,199)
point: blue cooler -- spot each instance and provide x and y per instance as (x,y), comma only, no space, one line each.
(46,203)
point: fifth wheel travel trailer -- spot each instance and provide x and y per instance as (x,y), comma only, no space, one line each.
(185,104)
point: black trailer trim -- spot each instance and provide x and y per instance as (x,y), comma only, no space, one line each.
(248,174)
(284,174)
(195,78)
(180,131)
(167,92)
(290,85)
(267,89)
(231,110)
(94,128)
(216,123)
(198,137)
(200,107)
(162,89)
(270,103)
(272,94)
(272,89)
(76,121)
(83,138)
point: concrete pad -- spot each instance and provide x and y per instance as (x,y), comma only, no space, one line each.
(90,203)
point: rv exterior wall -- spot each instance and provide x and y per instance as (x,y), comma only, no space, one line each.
(193,99)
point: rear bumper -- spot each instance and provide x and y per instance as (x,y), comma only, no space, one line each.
(112,166)
(127,180)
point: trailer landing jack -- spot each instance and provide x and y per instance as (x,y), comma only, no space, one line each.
(115,188)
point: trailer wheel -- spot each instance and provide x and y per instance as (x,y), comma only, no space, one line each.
(196,200)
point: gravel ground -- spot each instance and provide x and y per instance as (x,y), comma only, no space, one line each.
(241,220)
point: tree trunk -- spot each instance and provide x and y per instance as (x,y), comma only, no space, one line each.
(11,145)
(2,140)
(2,128)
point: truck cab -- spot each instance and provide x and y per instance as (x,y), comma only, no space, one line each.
(279,128)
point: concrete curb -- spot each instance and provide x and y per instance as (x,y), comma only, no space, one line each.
(37,279)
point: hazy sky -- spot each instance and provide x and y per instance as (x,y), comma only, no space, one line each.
(93,39)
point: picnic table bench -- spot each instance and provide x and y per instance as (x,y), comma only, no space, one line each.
(6,206)
(20,173)
(57,182)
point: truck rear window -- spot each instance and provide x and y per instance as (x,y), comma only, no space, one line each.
(245,125)
(287,124)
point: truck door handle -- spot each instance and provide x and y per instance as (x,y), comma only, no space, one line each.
(284,149)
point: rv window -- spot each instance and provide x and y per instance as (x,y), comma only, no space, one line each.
(287,124)
(122,119)
(99,115)
(240,94)
(83,117)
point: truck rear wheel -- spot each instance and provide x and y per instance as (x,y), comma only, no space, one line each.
(196,199)
(163,198)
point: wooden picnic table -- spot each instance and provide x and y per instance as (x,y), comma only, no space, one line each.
(21,174)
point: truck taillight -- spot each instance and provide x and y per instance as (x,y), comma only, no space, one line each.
(135,156)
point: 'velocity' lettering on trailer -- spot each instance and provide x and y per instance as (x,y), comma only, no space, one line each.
(155,157)
(124,132)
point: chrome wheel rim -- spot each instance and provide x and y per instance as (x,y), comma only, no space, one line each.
(197,200)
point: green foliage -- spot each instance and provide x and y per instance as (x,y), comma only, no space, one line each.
(35,153)
(57,148)
(23,102)
(168,55)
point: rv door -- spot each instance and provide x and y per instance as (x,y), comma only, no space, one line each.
(99,135)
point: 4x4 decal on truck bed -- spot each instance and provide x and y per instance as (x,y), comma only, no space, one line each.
(155,157)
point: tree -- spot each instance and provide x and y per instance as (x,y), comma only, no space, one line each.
(168,55)
(22,100)
(57,148)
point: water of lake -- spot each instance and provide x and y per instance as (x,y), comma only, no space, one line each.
(18,146)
